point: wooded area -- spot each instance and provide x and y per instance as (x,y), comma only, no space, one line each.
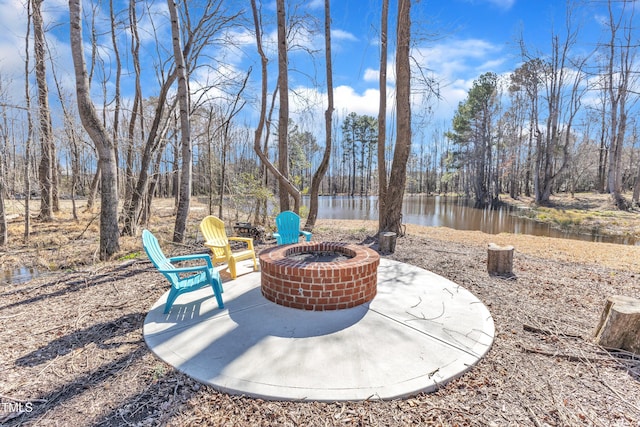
(564,121)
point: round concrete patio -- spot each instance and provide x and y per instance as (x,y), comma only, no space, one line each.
(419,332)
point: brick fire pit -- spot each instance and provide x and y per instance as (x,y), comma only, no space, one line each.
(319,276)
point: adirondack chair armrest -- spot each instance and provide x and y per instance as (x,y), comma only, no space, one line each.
(191,257)
(247,240)
(185,269)
(306,234)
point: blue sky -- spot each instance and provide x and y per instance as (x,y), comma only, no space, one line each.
(454,40)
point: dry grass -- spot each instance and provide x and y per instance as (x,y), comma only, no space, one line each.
(72,342)
(565,250)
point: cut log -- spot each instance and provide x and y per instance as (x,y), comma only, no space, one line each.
(387,242)
(619,325)
(500,260)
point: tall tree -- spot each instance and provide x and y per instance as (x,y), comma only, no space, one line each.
(46,169)
(620,74)
(328,118)
(129,176)
(349,140)
(185,128)
(392,217)
(562,92)
(382,118)
(283,111)
(198,34)
(552,148)
(4,138)
(27,148)
(472,131)
(262,122)
(109,237)
(528,78)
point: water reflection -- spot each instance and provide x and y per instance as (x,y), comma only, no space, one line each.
(19,275)
(452,212)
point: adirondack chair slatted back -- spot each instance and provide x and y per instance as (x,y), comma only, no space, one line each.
(158,258)
(213,230)
(217,241)
(288,224)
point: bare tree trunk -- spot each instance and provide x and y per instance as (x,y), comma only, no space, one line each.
(151,144)
(185,129)
(73,143)
(636,189)
(93,189)
(382,119)
(290,188)
(109,238)
(129,176)
(392,219)
(265,175)
(116,52)
(618,88)
(27,149)
(283,112)
(153,184)
(46,168)
(328,118)
(554,141)
(234,109)
(210,166)
(223,169)
(4,235)
(212,21)
(604,151)
(175,164)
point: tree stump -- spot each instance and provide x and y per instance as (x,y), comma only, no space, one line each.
(500,260)
(387,242)
(619,325)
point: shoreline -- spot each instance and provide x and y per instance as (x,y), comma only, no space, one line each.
(611,255)
(583,215)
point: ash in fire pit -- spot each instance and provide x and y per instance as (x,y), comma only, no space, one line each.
(319,256)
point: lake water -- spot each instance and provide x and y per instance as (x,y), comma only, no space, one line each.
(452,212)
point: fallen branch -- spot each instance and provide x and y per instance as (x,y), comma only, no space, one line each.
(11,316)
(536,330)
(87,227)
(14,399)
(533,417)
(569,357)
(622,399)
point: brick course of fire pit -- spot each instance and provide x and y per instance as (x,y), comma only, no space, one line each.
(319,286)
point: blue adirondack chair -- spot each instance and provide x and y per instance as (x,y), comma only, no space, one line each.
(182,279)
(288,224)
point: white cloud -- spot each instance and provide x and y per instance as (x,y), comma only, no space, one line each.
(371,75)
(455,64)
(12,35)
(341,35)
(315,4)
(502,4)
(347,99)
(311,103)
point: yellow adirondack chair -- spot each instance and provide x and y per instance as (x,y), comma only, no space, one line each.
(216,239)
